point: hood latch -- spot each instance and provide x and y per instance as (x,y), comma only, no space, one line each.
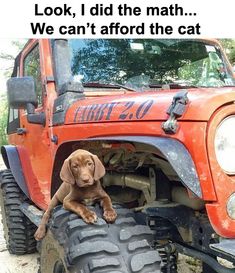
(175,111)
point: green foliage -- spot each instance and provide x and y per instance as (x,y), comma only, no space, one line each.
(3,120)
(229,46)
(18,45)
(32,68)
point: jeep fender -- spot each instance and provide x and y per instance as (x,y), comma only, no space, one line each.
(173,150)
(177,155)
(12,161)
(17,160)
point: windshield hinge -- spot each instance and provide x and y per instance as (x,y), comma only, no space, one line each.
(175,111)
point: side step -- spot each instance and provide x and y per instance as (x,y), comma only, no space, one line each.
(34,214)
(225,246)
(210,261)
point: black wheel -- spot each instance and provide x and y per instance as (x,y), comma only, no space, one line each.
(18,230)
(71,245)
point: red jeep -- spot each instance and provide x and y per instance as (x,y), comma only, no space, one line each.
(160,115)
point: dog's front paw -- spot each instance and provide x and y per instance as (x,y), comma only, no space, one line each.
(40,233)
(89,217)
(110,215)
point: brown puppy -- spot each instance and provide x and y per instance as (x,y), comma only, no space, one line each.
(80,173)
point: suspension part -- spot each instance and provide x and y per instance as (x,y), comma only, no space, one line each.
(163,230)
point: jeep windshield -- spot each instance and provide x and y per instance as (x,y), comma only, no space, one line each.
(138,64)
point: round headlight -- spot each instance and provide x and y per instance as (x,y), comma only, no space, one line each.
(225,144)
(231,206)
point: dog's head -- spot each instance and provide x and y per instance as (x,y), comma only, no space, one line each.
(82,168)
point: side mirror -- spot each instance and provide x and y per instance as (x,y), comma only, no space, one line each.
(21,94)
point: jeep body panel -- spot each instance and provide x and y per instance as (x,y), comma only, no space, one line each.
(149,106)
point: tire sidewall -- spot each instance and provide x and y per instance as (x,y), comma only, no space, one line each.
(51,253)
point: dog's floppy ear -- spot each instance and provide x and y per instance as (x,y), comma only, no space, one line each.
(66,173)
(99,168)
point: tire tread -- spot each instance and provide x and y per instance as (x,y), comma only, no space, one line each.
(100,248)
(19,229)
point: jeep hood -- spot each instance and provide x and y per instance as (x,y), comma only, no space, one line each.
(148,106)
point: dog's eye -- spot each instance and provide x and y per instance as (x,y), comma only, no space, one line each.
(75,167)
(89,164)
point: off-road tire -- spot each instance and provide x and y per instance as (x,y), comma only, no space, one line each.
(72,246)
(18,230)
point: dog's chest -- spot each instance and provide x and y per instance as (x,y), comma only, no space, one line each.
(88,201)
(88,196)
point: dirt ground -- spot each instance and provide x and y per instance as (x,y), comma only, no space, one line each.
(29,263)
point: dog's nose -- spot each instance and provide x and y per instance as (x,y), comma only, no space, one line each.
(85,178)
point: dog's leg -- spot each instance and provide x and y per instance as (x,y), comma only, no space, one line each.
(41,231)
(110,214)
(87,215)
